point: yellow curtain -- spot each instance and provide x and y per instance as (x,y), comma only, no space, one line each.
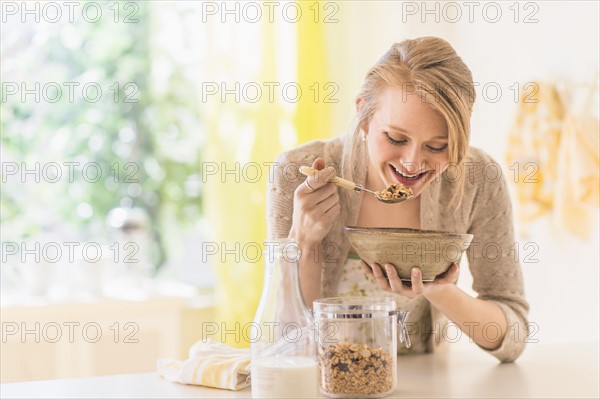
(236,210)
(313,116)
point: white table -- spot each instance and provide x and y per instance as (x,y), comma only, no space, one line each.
(543,371)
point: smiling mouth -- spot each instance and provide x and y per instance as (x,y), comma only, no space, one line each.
(411,181)
(399,173)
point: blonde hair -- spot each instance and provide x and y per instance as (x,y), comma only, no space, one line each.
(429,67)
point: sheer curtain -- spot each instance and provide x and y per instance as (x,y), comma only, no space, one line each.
(256,82)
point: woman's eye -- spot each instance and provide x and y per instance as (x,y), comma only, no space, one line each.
(391,140)
(437,149)
(404,141)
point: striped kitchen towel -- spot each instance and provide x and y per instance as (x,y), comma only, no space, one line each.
(211,364)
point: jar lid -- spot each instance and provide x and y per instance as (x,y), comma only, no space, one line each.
(351,307)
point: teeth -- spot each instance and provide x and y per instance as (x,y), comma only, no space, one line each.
(400,173)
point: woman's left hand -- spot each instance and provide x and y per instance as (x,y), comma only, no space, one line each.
(417,287)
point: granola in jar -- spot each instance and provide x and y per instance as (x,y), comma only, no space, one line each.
(355,370)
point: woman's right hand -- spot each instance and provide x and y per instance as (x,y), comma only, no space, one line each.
(316,205)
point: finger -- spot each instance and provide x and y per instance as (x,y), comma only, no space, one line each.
(379,277)
(328,202)
(317,204)
(333,212)
(416,279)
(455,273)
(316,184)
(366,268)
(321,177)
(393,278)
(318,164)
(449,276)
(325,211)
(308,185)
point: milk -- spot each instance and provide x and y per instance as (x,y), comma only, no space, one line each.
(285,377)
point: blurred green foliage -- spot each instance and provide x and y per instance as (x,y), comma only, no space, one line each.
(143,133)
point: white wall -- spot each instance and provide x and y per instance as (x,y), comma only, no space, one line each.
(563,287)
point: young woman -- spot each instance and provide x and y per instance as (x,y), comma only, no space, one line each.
(413,127)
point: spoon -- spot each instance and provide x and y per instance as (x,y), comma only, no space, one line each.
(349,185)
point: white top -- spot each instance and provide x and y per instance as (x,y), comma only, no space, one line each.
(566,370)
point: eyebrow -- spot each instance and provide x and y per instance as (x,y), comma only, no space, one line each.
(392,127)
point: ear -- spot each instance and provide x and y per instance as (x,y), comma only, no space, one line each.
(359,104)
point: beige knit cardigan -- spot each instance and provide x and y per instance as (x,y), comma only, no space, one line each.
(485,211)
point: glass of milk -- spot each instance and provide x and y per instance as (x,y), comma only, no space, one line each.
(283,338)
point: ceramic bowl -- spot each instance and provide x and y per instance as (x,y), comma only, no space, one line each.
(432,251)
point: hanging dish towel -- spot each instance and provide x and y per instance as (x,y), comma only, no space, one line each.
(533,146)
(211,364)
(577,196)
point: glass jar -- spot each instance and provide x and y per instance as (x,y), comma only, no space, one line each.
(283,344)
(357,345)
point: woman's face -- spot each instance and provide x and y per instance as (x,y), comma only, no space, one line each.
(407,142)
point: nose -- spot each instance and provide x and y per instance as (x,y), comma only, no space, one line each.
(411,159)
